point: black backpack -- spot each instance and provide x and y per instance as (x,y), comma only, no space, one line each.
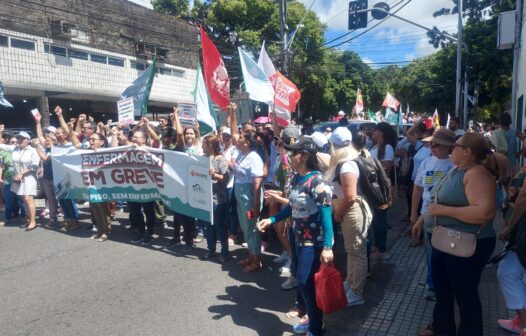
(375,184)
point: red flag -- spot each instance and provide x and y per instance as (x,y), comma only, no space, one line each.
(216,76)
(287,94)
(391,102)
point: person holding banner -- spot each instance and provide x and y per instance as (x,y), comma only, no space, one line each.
(248,172)
(188,142)
(143,236)
(220,175)
(100,210)
(25,162)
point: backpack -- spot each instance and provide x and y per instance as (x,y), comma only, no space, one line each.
(375,185)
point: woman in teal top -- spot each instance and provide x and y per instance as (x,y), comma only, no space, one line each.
(466,202)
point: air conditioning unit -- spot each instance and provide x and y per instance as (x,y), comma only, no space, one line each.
(63,29)
(506,32)
(150,50)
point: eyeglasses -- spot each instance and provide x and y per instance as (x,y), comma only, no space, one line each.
(93,139)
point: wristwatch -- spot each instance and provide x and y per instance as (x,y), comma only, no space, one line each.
(327,248)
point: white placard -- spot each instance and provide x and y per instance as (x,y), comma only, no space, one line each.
(125,108)
(35,113)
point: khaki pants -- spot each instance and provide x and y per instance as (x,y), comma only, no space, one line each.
(101,212)
(356,223)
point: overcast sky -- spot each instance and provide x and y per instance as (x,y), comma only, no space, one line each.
(393,40)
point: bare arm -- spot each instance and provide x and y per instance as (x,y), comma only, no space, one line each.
(480,191)
(231,110)
(256,182)
(72,136)
(174,117)
(40,132)
(349,183)
(415,201)
(518,211)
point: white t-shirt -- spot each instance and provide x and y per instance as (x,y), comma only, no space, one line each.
(347,167)
(460,132)
(230,153)
(430,173)
(389,153)
(247,167)
(422,154)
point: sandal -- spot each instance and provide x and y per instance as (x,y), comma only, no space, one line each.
(294,312)
(426,331)
(244,262)
(251,268)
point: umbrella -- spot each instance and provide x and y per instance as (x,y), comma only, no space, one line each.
(263,120)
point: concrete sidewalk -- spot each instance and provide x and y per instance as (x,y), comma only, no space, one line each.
(395,302)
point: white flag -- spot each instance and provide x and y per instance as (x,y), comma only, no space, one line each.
(205,111)
(257,83)
(265,62)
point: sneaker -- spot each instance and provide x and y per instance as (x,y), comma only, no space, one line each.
(138,239)
(174,243)
(165,225)
(147,240)
(290,283)
(285,269)
(512,326)
(302,327)
(353,299)
(231,242)
(346,286)
(283,257)
(188,247)
(103,237)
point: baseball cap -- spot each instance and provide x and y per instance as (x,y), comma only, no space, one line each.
(226,131)
(341,137)
(341,113)
(290,132)
(320,139)
(23,135)
(306,143)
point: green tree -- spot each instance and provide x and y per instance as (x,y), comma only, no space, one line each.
(171,7)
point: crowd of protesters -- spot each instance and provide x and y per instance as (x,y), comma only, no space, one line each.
(303,184)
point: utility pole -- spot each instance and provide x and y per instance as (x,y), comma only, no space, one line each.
(283,28)
(466,92)
(459,62)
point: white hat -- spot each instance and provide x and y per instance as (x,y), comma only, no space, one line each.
(226,131)
(51,129)
(341,137)
(341,113)
(320,139)
(23,135)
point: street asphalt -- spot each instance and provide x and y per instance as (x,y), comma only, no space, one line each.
(58,283)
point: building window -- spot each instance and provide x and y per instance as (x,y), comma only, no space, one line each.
(165,71)
(137,66)
(178,73)
(116,61)
(99,59)
(55,50)
(4,41)
(22,44)
(78,54)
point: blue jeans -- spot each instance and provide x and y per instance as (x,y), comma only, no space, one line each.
(379,224)
(218,230)
(300,304)
(233,221)
(12,203)
(69,208)
(308,264)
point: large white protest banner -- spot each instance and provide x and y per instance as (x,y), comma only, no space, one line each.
(136,174)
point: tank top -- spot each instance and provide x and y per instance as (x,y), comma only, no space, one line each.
(451,193)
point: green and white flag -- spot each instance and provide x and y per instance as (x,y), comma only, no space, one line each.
(140,90)
(372,116)
(3,101)
(257,83)
(206,116)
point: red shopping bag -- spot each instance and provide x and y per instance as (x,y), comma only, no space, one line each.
(330,295)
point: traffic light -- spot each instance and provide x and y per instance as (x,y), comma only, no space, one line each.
(357,20)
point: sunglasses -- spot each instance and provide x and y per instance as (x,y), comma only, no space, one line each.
(434,145)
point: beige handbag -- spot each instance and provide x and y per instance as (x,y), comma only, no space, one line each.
(453,242)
